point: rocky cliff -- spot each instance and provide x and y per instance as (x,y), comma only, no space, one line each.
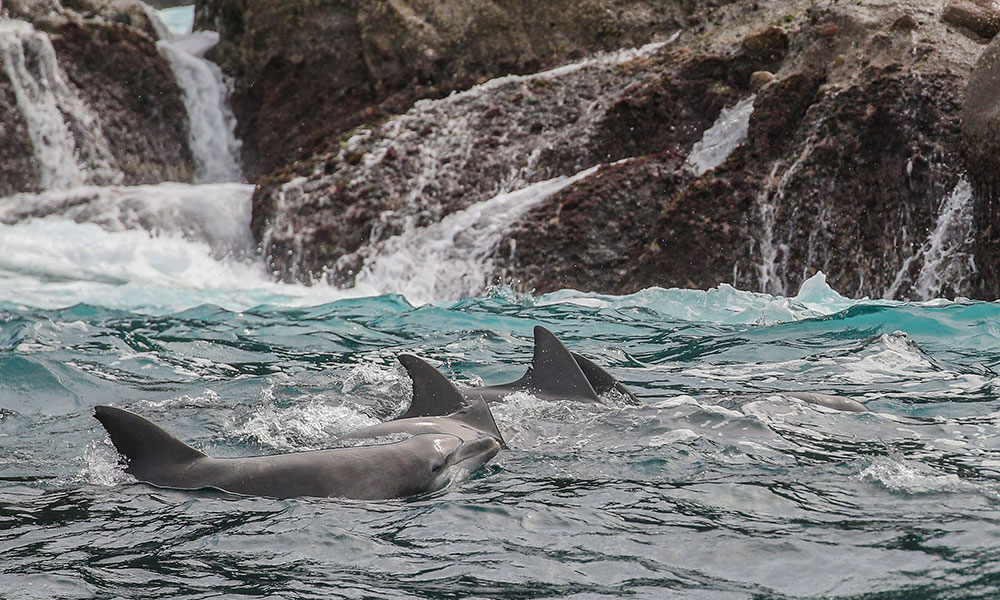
(307,71)
(85,97)
(857,158)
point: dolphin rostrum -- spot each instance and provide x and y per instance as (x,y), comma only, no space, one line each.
(417,465)
(555,373)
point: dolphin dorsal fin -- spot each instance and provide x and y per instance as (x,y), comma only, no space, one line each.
(602,381)
(479,416)
(149,448)
(554,371)
(433,394)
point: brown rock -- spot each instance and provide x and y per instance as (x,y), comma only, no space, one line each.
(768,45)
(981,143)
(981,17)
(394,52)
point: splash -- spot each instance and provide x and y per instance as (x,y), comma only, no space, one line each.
(947,256)
(451,258)
(724,136)
(216,214)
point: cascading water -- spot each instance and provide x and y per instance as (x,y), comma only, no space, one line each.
(70,148)
(211,124)
(725,135)
(945,258)
(451,258)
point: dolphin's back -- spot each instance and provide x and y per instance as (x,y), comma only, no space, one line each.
(153,454)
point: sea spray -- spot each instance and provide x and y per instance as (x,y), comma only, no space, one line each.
(450,259)
(216,214)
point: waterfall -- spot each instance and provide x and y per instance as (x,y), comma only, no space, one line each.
(725,135)
(70,148)
(451,258)
(211,126)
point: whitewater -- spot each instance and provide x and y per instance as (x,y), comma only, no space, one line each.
(717,485)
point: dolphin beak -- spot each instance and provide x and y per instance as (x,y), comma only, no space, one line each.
(481,449)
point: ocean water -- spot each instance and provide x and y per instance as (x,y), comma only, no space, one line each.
(715,486)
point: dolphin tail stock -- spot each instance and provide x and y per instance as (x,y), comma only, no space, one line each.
(149,449)
(554,370)
(602,381)
(433,394)
(479,416)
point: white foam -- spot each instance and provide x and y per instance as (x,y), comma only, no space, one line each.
(217,214)
(308,426)
(913,478)
(53,263)
(676,436)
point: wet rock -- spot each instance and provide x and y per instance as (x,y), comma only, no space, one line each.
(593,232)
(981,142)
(120,101)
(122,76)
(850,153)
(18,171)
(319,217)
(394,51)
(981,17)
(854,148)
(759,79)
(769,45)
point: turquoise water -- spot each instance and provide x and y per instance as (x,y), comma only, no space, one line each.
(716,486)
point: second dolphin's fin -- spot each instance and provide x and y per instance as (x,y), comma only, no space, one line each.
(479,416)
(602,381)
(554,371)
(433,394)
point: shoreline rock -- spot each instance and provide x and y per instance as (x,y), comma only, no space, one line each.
(120,102)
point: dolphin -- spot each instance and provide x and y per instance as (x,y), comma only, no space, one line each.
(418,465)
(555,373)
(437,407)
(834,402)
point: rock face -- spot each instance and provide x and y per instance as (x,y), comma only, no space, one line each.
(981,137)
(853,153)
(850,152)
(387,53)
(439,157)
(87,98)
(853,160)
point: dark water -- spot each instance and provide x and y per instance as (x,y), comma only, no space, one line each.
(715,487)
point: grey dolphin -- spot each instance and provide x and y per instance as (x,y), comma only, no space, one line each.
(437,407)
(555,373)
(834,402)
(417,465)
